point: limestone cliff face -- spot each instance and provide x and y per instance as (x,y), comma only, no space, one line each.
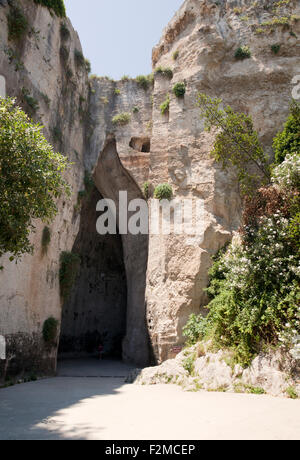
(205,36)
(29,291)
(165,275)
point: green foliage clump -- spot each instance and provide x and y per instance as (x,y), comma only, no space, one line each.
(79,58)
(292,393)
(46,238)
(163,192)
(175,55)
(194,330)
(64,31)
(165,106)
(17,23)
(188,363)
(237,144)
(31,179)
(50,329)
(146,190)
(288,140)
(179,89)
(30,100)
(243,52)
(88,66)
(69,267)
(275,48)
(121,119)
(117,92)
(135,109)
(57,6)
(145,81)
(164,72)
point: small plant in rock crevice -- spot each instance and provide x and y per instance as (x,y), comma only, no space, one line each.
(275,48)
(46,239)
(179,89)
(165,106)
(121,119)
(166,72)
(163,192)
(242,53)
(17,23)
(69,267)
(50,329)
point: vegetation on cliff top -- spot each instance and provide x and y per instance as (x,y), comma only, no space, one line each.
(31,179)
(254,283)
(57,6)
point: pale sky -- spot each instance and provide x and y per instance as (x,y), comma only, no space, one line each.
(117,36)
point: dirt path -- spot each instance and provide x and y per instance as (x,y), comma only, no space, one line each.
(105,408)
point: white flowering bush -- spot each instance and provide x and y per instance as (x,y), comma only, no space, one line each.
(287,174)
(255,283)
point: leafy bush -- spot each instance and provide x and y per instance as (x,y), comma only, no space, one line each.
(175,55)
(117,92)
(122,119)
(87,65)
(288,141)
(30,100)
(79,58)
(50,328)
(64,31)
(135,109)
(31,179)
(292,393)
(146,190)
(179,89)
(195,329)
(57,6)
(275,48)
(145,81)
(17,23)
(69,267)
(165,106)
(46,238)
(189,363)
(163,192)
(243,52)
(164,72)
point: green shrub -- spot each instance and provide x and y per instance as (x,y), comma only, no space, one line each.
(165,106)
(64,31)
(30,100)
(135,109)
(87,65)
(50,329)
(31,179)
(125,78)
(164,72)
(17,23)
(188,363)
(121,119)
(146,190)
(175,55)
(275,48)
(243,52)
(144,81)
(291,392)
(69,267)
(195,329)
(79,58)
(57,6)
(117,92)
(179,89)
(46,238)
(163,192)
(288,140)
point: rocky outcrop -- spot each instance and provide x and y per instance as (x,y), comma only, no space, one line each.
(195,369)
(165,274)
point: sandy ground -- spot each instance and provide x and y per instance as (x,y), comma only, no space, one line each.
(101,406)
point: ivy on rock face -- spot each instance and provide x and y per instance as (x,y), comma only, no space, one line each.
(57,6)
(31,179)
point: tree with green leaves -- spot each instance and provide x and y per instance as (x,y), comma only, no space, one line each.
(288,141)
(237,144)
(31,176)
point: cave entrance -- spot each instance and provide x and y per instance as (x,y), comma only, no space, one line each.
(107,304)
(95,312)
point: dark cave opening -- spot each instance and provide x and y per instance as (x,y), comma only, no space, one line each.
(95,312)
